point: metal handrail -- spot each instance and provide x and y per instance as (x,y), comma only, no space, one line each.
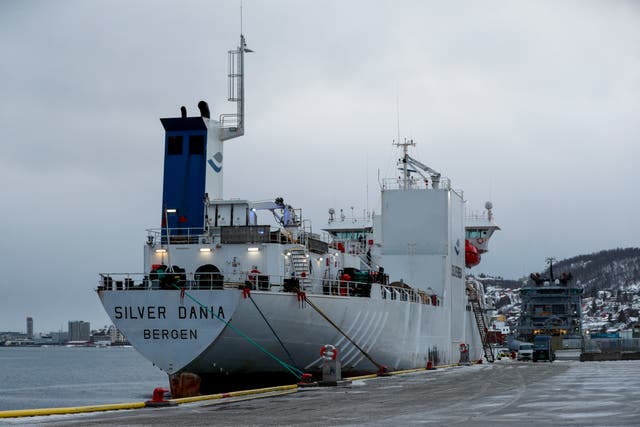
(240,280)
(415,183)
(176,235)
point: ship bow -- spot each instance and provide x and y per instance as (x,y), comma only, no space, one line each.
(170,328)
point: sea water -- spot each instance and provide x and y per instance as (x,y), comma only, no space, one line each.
(47,377)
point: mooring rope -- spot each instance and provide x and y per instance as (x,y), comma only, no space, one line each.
(272,330)
(292,369)
(381,367)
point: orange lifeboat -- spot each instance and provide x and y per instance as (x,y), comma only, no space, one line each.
(472,256)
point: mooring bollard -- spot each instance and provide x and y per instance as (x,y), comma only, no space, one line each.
(157,399)
(331,368)
(464,354)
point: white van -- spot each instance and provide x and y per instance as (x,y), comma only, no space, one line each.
(525,351)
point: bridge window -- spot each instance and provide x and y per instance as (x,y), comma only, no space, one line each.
(475,233)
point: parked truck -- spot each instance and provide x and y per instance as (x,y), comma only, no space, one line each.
(542,349)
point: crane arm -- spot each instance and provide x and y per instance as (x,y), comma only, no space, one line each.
(413,162)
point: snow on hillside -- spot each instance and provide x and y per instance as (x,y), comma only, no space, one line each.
(610,280)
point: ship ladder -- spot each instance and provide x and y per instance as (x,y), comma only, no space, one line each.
(300,263)
(382,370)
(478,312)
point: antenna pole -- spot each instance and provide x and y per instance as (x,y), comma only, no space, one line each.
(367,179)
(236,93)
(397,113)
(550,261)
(405,155)
(241,83)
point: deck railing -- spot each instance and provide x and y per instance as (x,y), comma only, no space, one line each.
(274,283)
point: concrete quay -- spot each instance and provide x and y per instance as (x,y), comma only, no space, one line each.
(507,393)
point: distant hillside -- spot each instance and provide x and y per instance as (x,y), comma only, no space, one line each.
(499,282)
(609,270)
(611,283)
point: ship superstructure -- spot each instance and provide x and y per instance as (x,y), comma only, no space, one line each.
(235,287)
(550,306)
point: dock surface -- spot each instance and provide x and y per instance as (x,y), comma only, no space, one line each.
(509,393)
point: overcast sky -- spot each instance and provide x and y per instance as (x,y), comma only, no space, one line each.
(532,105)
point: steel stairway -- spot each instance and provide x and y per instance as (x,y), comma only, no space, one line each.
(300,263)
(478,312)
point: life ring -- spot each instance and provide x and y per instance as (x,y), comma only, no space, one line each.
(329,352)
(463,348)
(480,240)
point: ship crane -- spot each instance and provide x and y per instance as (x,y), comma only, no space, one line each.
(288,216)
(430,173)
(407,160)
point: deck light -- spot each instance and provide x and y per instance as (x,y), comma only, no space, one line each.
(205,249)
(253,249)
(172,210)
(161,251)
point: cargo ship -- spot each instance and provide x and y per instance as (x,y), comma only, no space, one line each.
(232,288)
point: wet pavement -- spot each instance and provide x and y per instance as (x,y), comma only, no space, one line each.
(564,393)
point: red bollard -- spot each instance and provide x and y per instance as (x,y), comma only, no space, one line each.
(430,366)
(158,394)
(383,371)
(306,380)
(157,398)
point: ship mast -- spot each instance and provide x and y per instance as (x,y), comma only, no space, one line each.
(229,126)
(405,160)
(550,261)
(417,167)
(232,125)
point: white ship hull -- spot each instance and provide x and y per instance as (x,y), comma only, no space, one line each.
(397,334)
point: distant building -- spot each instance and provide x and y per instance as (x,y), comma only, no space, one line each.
(101,337)
(116,336)
(79,330)
(59,337)
(30,327)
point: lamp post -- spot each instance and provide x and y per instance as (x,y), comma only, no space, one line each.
(168,211)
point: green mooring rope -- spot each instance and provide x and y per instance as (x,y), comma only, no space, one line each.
(295,371)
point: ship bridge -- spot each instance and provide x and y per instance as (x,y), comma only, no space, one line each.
(479,227)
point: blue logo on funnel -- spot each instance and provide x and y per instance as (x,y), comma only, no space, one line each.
(218,159)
